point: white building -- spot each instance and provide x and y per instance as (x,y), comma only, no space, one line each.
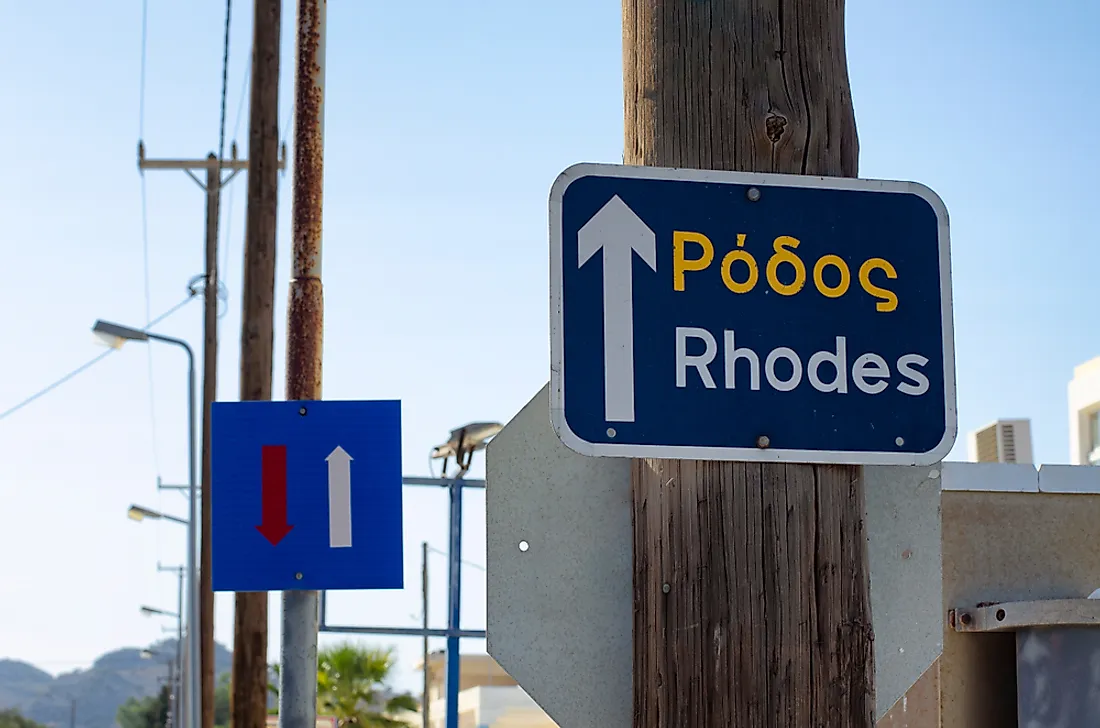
(488,696)
(1003,441)
(1084,414)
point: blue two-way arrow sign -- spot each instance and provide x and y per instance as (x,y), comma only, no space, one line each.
(306,495)
(734,316)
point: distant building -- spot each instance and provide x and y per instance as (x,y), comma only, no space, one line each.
(488,696)
(1003,441)
(1084,414)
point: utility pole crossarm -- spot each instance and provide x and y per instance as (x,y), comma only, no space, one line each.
(192,164)
(202,164)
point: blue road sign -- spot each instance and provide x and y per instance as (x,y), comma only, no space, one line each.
(730,316)
(306,495)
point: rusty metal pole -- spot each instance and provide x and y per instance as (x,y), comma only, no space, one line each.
(305,322)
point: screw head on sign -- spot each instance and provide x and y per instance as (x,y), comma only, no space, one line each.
(763,441)
(298,576)
(753,194)
(302,411)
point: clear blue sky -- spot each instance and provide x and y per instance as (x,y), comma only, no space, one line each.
(446,124)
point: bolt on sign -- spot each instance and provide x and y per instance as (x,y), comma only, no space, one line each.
(760,317)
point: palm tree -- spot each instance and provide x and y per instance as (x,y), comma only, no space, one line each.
(351,686)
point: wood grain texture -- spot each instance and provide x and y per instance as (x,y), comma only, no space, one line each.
(765,620)
(248,699)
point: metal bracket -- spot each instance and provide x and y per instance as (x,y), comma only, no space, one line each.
(1013,616)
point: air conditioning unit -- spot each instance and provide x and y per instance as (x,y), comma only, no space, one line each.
(1003,441)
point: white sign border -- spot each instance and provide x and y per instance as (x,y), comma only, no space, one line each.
(763,180)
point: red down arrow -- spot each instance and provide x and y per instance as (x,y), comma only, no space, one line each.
(273,524)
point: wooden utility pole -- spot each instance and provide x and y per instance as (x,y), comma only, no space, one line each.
(751,595)
(209,393)
(201,636)
(250,679)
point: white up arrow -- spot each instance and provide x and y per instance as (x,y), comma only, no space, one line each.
(339,498)
(618,232)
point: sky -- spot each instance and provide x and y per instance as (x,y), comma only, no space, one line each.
(446,124)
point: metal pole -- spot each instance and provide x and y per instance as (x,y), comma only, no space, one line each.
(179,621)
(424,605)
(194,710)
(171,694)
(455,604)
(177,685)
(192,684)
(305,319)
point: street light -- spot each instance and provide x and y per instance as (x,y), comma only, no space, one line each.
(115,335)
(463,443)
(140,513)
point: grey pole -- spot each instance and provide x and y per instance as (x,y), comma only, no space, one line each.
(194,711)
(177,688)
(424,709)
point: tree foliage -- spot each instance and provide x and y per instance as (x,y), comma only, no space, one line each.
(221,701)
(12,718)
(351,685)
(150,712)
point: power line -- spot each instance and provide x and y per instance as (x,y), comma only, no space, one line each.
(148,320)
(225,78)
(88,364)
(141,87)
(145,238)
(433,549)
(236,130)
(286,124)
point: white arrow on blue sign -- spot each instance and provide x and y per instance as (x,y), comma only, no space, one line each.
(306,495)
(735,316)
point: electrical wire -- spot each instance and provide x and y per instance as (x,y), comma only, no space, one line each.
(87,365)
(479,567)
(149,322)
(141,86)
(229,208)
(145,239)
(225,78)
(287,123)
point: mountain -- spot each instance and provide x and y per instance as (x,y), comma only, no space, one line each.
(95,693)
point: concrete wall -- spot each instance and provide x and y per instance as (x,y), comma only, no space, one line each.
(1007,535)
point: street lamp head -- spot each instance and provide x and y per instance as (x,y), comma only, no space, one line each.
(464,442)
(148,654)
(138,513)
(115,335)
(468,438)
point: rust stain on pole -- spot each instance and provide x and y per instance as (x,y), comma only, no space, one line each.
(305,310)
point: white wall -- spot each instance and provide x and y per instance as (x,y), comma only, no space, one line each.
(1084,399)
